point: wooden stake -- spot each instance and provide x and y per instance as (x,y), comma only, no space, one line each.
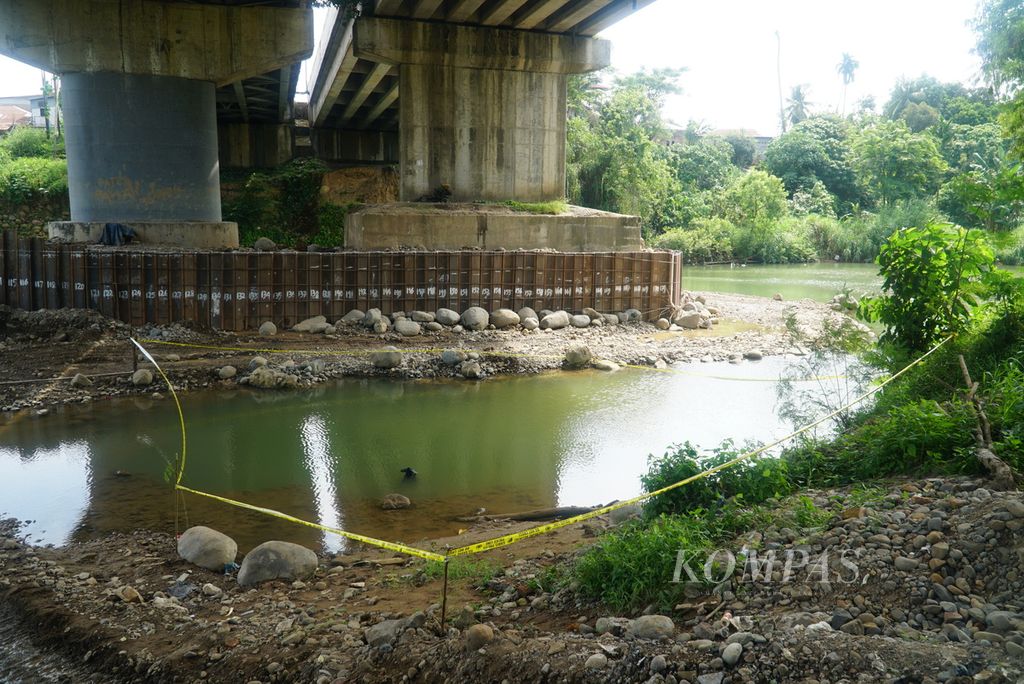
(444,599)
(1001,473)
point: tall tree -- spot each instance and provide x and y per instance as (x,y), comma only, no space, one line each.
(798,107)
(846,69)
(1000,27)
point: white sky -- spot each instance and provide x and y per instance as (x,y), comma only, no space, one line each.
(728,48)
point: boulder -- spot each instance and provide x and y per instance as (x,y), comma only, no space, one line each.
(276,560)
(479,636)
(307,325)
(226,372)
(433,326)
(503,318)
(267,329)
(142,377)
(605,365)
(731,654)
(652,627)
(471,370)
(578,356)
(394,502)
(580,321)
(475,318)
(555,321)
(594,314)
(530,323)
(264,245)
(389,357)
(610,319)
(266,377)
(371,318)
(207,548)
(352,317)
(663,324)
(447,317)
(407,328)
(388,631)
(634,316)
(382,326)
(423,316)
(753,355)
(689,320)
(80,381)
(527,312)
(453,357)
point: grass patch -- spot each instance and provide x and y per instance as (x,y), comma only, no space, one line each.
(478,571)
(553,207)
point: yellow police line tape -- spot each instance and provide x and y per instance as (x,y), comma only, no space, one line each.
(501,354)
(509,539)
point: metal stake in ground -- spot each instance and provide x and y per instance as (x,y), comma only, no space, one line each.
(444,596)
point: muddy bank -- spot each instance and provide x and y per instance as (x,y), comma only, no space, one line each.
(41,353)
(935,594)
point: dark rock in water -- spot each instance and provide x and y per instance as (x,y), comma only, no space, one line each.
(393,502)
(276,560)
(410,474)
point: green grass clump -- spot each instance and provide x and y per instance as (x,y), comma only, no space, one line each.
(555,207)
(480,572)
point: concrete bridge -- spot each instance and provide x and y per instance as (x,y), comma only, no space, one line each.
(470,93)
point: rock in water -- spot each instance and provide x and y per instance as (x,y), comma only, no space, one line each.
(503,318)
(555,321)
(394,502)
(267,329)
(142,377)
(276,560)
(475,318)
(447,317)
(407,328)
(578,357)
(471,370)
(389,357)
(207,548)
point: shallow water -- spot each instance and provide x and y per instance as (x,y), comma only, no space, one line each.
(793,281)
(508,444)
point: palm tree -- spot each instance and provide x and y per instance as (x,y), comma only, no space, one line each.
(798,108)
(846,69)
(778,72)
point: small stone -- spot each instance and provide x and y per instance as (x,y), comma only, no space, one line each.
(905,564)
(264,244)
(1015,508)
(129,594)
(471,370)
(598,661)
(731,654)
(257,362)
(580,321)
(212,590)
(658,664)
(267,329)
(479,636)
(226,372)
(663,323)
(453,357)
(447,317)
(777,297)
(652,627)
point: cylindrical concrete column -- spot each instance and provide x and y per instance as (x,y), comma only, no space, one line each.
(141,148)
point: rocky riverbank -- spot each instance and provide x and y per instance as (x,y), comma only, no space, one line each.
(63,356)
(932,590)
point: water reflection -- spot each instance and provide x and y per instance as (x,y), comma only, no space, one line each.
(329,455)
(317,446)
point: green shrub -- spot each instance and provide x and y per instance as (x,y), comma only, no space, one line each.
(786,241)
(1009,246)
(27,178)
(332,225)
(25,141)
(752,481)
(933,280)
(708,240)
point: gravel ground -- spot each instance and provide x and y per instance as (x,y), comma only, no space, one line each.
(936,595)
(41,352)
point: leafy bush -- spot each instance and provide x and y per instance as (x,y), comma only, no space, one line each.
(708,240)
(783,242)
(752,481)
(27,178)
(25,141)
(332,225)
(933,279)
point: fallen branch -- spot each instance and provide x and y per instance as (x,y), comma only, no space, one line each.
(1000,472)
(540,514)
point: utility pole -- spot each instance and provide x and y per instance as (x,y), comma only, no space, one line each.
(778,71)
(45,110)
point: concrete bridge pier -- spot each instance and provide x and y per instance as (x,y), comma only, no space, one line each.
(481,109)
(139,105)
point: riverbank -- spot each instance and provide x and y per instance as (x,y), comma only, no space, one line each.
(931,592)
(41,353)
